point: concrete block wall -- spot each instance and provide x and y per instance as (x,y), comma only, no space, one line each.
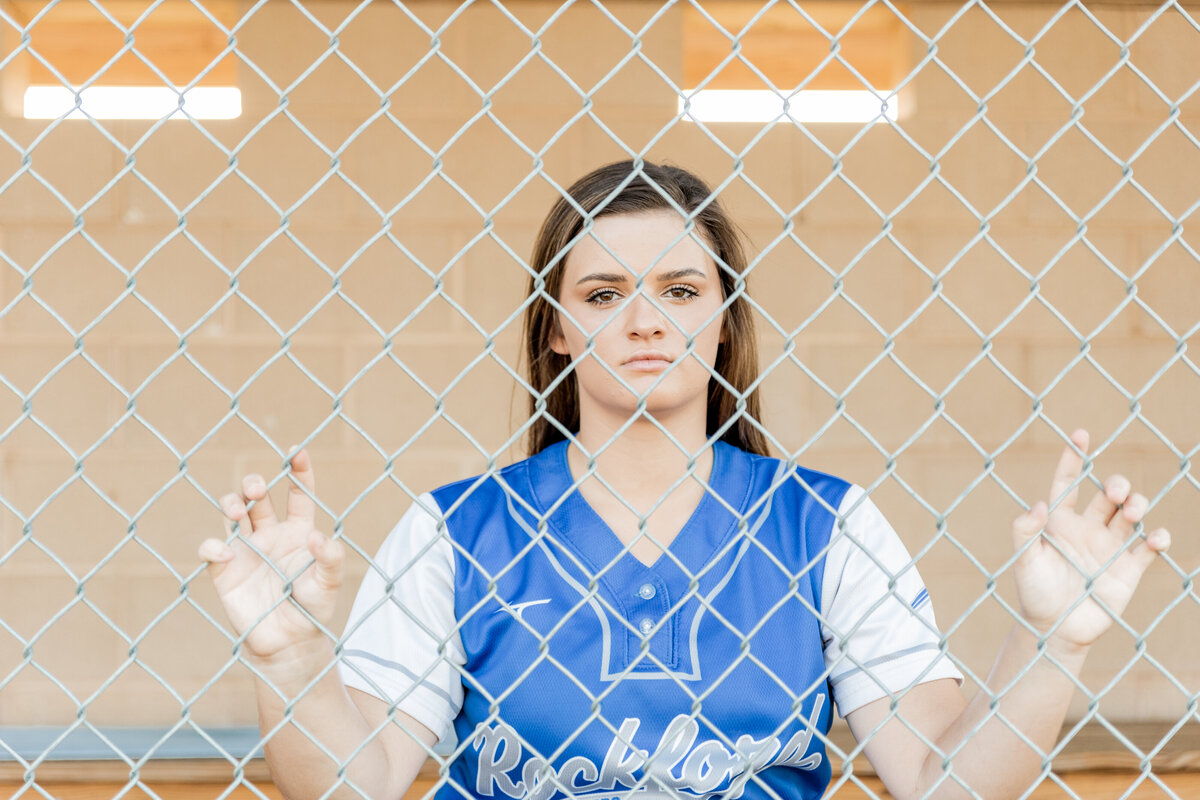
(170,322)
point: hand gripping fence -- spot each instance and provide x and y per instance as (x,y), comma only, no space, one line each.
(941,294)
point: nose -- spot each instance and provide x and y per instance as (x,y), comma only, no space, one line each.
(644,319)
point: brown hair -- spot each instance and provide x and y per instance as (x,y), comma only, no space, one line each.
(627,188)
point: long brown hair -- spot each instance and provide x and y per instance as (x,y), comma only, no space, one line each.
(628,188)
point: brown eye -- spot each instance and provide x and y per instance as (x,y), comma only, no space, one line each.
(682,291)
(602,296)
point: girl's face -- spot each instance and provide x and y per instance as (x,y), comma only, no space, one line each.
(644,339)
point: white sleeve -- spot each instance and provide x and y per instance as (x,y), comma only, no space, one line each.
(877,623)
(401,642)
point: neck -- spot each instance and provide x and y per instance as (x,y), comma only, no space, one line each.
(641,464)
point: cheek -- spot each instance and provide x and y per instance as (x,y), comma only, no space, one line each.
(577,325)
(709,328)
(713,337)
(566,334)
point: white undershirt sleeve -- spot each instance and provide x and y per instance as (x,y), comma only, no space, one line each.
(877,622)
(401,644)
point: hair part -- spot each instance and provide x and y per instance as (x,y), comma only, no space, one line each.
(625,188)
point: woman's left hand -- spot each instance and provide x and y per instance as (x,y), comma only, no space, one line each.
(1053,570)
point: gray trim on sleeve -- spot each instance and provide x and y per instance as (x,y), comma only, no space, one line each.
(883,659)
(412,676)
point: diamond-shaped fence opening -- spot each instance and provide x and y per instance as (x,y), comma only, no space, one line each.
(603,598)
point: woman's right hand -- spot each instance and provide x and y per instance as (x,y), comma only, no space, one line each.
(252,589)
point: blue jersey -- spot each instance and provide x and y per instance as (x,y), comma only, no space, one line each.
(591,674)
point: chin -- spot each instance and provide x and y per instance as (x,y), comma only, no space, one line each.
(663,406)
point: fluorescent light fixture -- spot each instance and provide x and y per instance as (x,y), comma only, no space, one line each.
(809,105)
(133,102)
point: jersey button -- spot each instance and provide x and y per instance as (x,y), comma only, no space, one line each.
(646,592)
(645,626)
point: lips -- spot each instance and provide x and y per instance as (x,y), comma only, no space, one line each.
(647,361)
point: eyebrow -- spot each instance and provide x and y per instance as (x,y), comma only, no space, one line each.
(623,277)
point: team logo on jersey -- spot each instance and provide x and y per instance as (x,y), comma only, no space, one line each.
(677,766)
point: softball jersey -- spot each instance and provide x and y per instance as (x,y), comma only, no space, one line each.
(503,608)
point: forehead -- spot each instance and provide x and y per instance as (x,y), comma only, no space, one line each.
(638,242)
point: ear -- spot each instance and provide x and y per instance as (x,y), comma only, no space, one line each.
(558,342)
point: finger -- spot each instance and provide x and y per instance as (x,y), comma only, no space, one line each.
(232,510)
(254,490)
(1145,551)
(328,555)
(1028,525)
(1159,540)
(1064,489)
(300,504)
(217,554)
(1131,514)
(1105,503)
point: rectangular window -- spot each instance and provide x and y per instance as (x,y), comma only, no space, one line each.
(78,54)
(132,102)
(733,56)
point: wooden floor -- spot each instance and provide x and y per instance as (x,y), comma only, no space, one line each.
(1083,786)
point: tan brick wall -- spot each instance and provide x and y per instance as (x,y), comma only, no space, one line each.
(152,384)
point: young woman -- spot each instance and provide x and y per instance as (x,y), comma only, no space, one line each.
(649,604)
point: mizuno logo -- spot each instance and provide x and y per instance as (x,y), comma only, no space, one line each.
(518,609)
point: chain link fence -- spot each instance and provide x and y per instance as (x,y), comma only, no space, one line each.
(940,299)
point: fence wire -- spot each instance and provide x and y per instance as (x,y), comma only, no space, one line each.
(95,327)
